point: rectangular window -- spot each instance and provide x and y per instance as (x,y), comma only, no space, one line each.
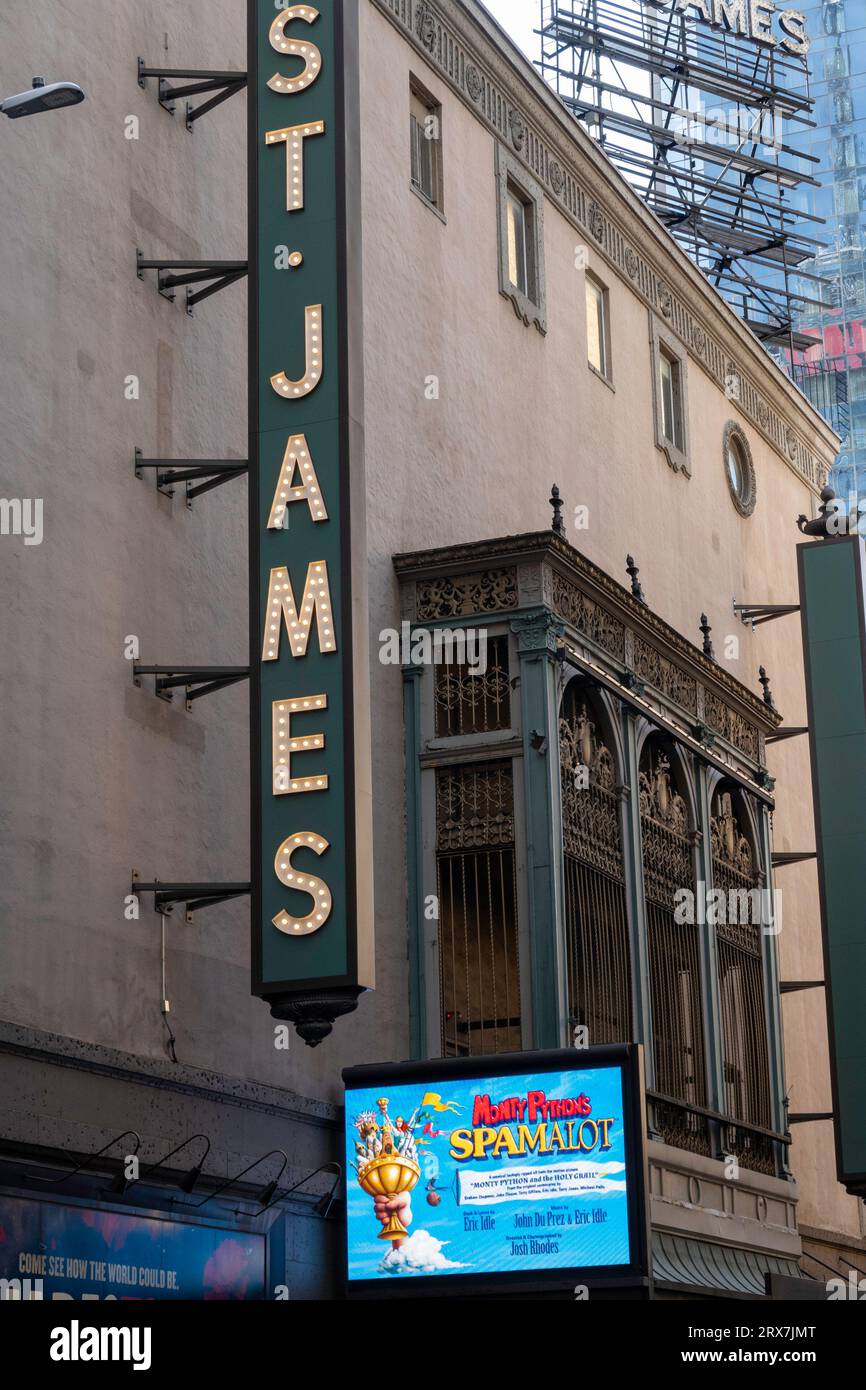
(598,349)
(670,395)
(478,953)
(516,220)
(470,703)
(425,145)
(670,373)
(521,240)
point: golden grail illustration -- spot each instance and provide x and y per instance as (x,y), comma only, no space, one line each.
(389,1171)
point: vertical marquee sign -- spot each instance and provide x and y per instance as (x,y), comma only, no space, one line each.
(312,914)
(833,609)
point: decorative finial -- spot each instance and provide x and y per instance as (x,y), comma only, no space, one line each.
(765,682)
(633,572)
(825,523)
(557,505)
(706,630)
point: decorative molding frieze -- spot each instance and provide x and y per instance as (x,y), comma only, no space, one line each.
(478,72)
(466,595)
(644,653)
(691,1196)
(654,669)
(588,617)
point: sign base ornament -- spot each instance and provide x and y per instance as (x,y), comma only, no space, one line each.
(314,1014)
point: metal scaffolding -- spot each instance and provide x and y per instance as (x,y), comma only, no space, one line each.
(700,121)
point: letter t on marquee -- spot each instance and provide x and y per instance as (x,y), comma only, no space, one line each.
(294,137)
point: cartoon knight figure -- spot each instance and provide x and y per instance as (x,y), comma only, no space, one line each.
(388,1143)
(366,1146)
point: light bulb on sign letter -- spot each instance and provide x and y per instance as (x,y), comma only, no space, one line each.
(297,460)
(282,384)
(284,744)
(281,606)
(290,877)
(293,136)
(295,48)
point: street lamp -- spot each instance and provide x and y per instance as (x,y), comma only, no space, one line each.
(42,98)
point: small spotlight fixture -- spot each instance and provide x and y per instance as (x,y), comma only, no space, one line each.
(267,1194)
(538,741)
(41,98)
(189,1180)
(118,1185)
(324,1204)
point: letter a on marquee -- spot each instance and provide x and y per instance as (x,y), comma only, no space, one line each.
(297,459)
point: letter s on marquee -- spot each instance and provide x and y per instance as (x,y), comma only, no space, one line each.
(793,24)
(306,883)
(287,86)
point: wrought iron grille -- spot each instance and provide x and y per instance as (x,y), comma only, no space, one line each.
(474,704)
(596,923)
(479,966)
(745,1052)
(674,957)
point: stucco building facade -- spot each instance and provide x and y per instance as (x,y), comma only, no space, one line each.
(526,323)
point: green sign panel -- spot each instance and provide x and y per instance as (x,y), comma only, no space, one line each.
(311,870)
(832,579)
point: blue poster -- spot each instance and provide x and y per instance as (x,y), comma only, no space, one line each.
(59,1251)
(476,1176)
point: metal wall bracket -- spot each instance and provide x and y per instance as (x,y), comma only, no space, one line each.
(757,613)
(172,274)
(783,857)
(779,734)
(200,475)
(793,986)
(809,1115)
(194,82)
(198,680)
(193,895)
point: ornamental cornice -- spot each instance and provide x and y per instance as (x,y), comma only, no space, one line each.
(492,576)
(462,45)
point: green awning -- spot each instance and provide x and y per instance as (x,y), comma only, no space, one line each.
(680,1263)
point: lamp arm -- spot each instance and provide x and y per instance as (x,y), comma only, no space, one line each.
(35,1177)
(231,1181)
(280,1195)
(167,1156)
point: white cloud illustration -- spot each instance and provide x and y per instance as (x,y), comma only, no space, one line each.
(421,1253)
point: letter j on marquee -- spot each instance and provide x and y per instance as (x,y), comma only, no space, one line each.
(311,813)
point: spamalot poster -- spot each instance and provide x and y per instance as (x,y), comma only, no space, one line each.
(490,1175)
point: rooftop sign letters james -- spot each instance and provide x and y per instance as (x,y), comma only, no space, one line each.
(312,914)
(761,21)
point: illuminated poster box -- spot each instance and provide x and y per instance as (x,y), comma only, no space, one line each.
(58,1251)
(523,1169)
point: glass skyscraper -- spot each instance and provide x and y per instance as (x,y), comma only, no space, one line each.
(833,373)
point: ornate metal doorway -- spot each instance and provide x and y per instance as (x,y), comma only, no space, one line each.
(597,937)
